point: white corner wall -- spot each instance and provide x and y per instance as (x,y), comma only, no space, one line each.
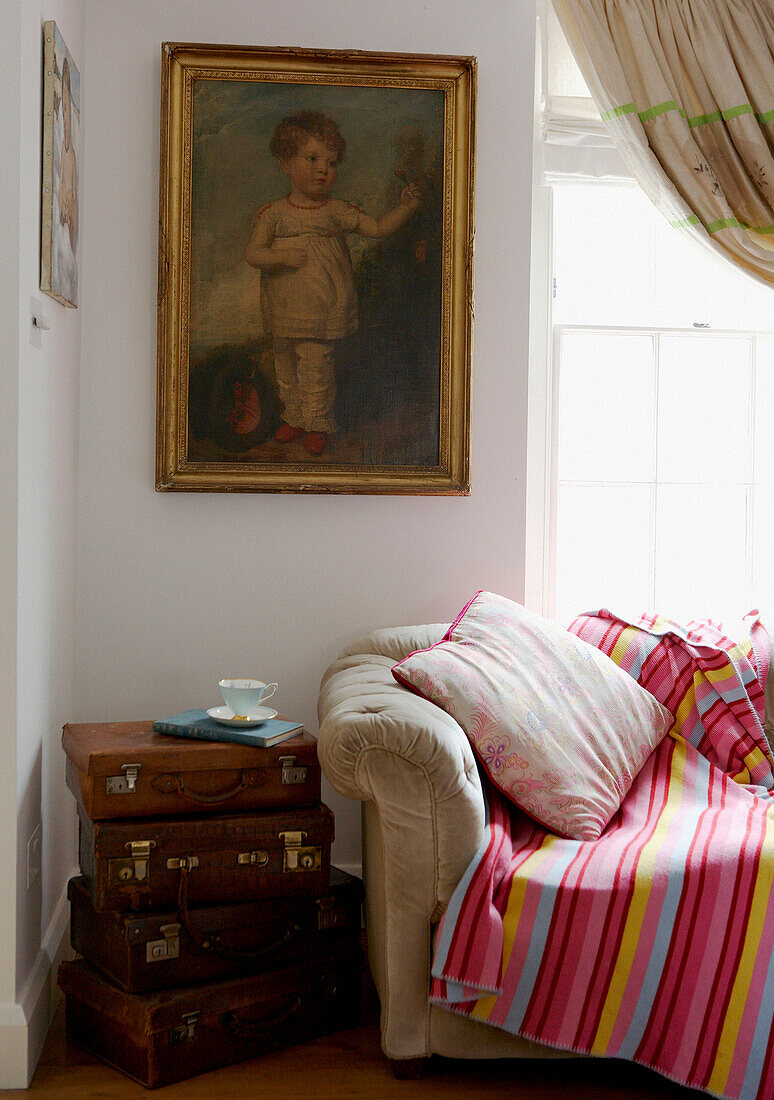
(11,1019)
(37,556)
(177,590)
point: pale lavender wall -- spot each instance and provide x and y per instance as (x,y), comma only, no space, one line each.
(10,123)
(39,390)
(48,461)
(176,590)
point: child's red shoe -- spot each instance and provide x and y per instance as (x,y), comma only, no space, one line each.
(315,442)
(287,432)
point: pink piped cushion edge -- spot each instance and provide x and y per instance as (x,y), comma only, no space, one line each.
(556,725)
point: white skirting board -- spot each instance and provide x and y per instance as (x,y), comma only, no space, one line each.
(24,1025)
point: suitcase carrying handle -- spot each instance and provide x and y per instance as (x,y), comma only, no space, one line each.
(256,1029)
(205,945)
(172,783)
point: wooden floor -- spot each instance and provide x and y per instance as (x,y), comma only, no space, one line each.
(348,1065)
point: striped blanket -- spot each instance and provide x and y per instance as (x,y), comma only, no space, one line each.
(655,942)
(713,685)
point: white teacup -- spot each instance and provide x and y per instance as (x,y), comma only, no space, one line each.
(244,696)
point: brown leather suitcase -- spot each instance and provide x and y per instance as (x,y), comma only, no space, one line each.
(174,1034)
(155,863)
(146,951)
(124,769)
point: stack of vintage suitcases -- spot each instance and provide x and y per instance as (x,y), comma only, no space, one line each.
(210,922)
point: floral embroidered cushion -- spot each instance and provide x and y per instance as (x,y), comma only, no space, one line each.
(560,729)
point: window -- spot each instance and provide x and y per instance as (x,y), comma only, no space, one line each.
(657,405)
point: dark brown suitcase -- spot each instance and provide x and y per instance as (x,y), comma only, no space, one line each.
(156,863)
(124,769)
(143,952)
(175,1034)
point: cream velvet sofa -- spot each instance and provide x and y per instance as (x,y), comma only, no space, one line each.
(411,766)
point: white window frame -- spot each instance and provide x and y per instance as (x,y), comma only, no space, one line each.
(749,483)
(564,146)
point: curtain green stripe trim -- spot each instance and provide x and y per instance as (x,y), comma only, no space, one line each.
(734,223)
(697,120)
(626,109)
(759,228)
(659,109)
(721,223)
(712,227)
(703,120)
(683,223)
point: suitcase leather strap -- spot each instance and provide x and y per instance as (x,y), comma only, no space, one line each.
(207,946)
(256,1029)
(172,783)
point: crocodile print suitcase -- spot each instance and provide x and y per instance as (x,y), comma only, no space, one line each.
(124,769)
(146,951)
(158,863)
(175,1034)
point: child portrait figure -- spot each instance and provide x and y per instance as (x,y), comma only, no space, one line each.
(308,298)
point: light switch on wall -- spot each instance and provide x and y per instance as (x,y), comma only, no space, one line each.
(38,323)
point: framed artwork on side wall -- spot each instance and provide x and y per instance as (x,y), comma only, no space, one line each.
(61,166)
(315,271)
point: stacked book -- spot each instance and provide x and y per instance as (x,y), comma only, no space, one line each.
(198,725)
(210,923)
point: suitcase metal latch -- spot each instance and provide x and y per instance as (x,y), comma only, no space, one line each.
(185,1030)
(168,948)
(300,856)
(258,857)
(135,866)
(292,772)
(186,862)
(126,783)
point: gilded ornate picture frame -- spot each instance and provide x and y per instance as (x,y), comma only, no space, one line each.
(315,271)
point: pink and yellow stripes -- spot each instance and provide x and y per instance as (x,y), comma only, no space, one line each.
(712,685)
(653,943)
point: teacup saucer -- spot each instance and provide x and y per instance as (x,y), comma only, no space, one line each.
(226,716)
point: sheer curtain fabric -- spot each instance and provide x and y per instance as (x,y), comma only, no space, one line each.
(686,88)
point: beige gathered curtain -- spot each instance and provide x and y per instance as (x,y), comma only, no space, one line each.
(687,90)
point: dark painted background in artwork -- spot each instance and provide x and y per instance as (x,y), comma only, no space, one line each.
(388,372)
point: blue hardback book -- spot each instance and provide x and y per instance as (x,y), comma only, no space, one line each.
(196,724)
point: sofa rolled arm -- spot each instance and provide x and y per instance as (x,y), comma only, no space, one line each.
(424,816)
(381,743)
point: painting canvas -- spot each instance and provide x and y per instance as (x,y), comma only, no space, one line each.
(61,166)
(314,307)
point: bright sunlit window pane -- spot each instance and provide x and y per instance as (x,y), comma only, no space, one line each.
(764,410)
(701,551)
(604,539)
(619,262)
(607,398)
(664,417)
(763,553)
(704,411)
(606,223)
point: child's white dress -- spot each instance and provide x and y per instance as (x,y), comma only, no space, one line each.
(316,301)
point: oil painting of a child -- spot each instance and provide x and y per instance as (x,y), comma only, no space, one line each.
(308,297)
(316,275)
